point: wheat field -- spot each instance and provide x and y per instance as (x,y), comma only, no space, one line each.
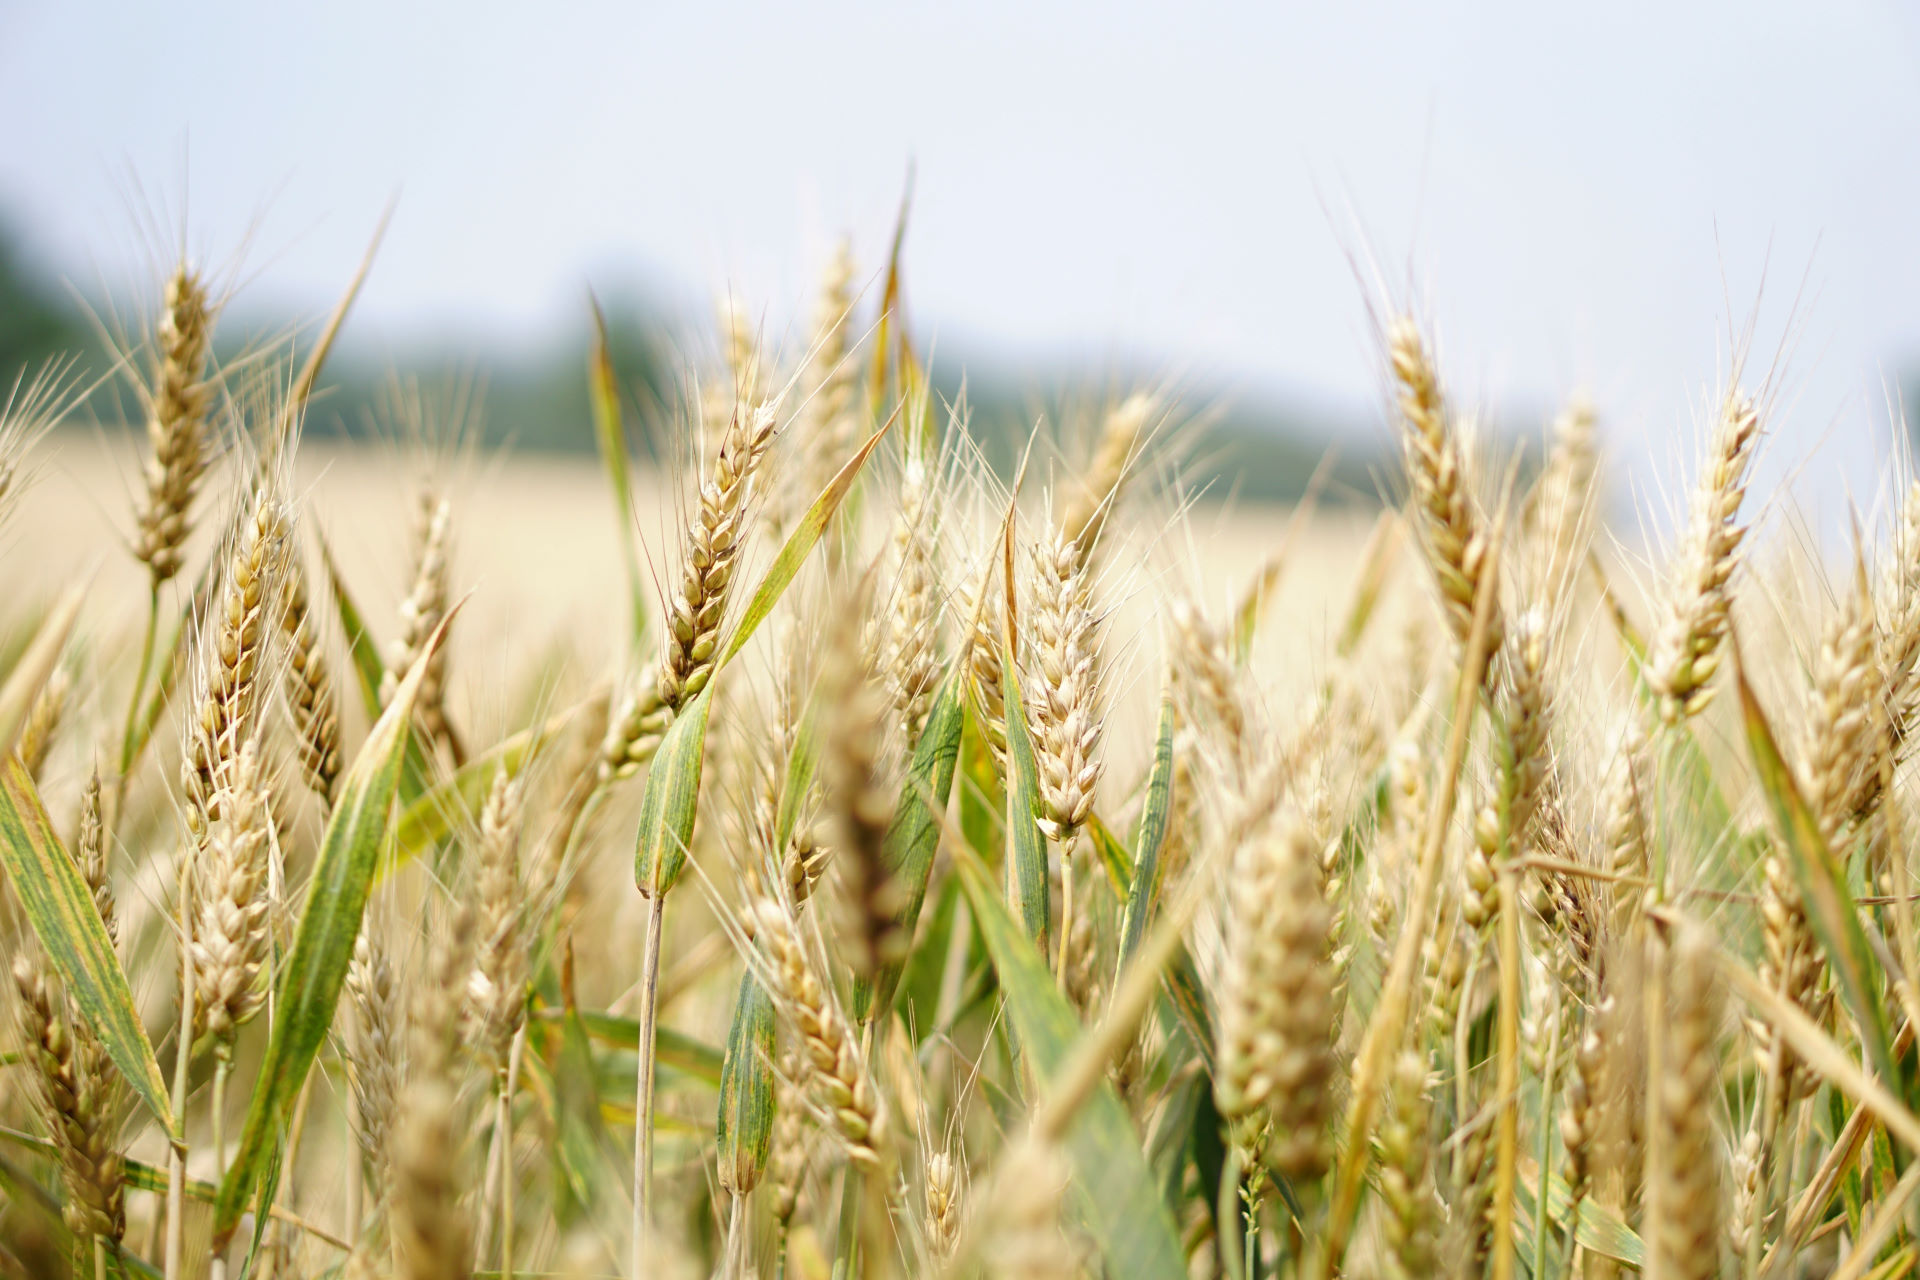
(825,856)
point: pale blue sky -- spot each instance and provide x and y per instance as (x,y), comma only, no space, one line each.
(1579,192)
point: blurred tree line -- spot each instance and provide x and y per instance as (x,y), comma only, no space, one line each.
(1260,451)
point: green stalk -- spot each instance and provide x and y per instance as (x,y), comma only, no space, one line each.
(1250,1233)
(1066,910)
(1546,1152)
(222,1063)
(504,1126)
(182,1063)
(643,1083)
(846,1249)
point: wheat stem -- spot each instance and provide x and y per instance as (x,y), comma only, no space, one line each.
(643,1085)
(1508,1076)
(217,1105)
(182,1062)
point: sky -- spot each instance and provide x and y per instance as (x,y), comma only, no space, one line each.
(1599,196)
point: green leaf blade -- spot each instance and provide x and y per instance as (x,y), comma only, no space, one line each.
(743,1129)
(671,800)
(1823,885)
(323,944)
(60,908)
(913,837)
(1144,892)
(1027,886)
(1113,1184)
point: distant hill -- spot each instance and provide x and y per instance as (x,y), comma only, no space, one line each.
(1253,449)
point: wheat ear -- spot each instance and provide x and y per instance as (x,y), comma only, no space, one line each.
(1452,528)
(836,1073)
(177,401)
(1686,651)
(1275,1005)
(79,1095)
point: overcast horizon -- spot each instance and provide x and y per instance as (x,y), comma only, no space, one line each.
(1576,198)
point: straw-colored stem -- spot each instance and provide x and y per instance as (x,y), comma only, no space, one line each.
(1654,997)
(1545,1153)
(1507,1128)
(182,1063)
(736,1260)
(643,1084)
(1066,911)
(356,1167)
(217,1103)
(503,1124)
(1250,1228)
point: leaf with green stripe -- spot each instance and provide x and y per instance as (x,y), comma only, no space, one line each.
(799,545)
(743,1130)
(610,434)
(368,669)
(1144,893)
(1822,883)
(1113,1185)
(676,1049)
(1026,845)
(913,837)
(671,799)
(57,903)
(455,801)
(802,762)
(323,945)
(1114,858)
